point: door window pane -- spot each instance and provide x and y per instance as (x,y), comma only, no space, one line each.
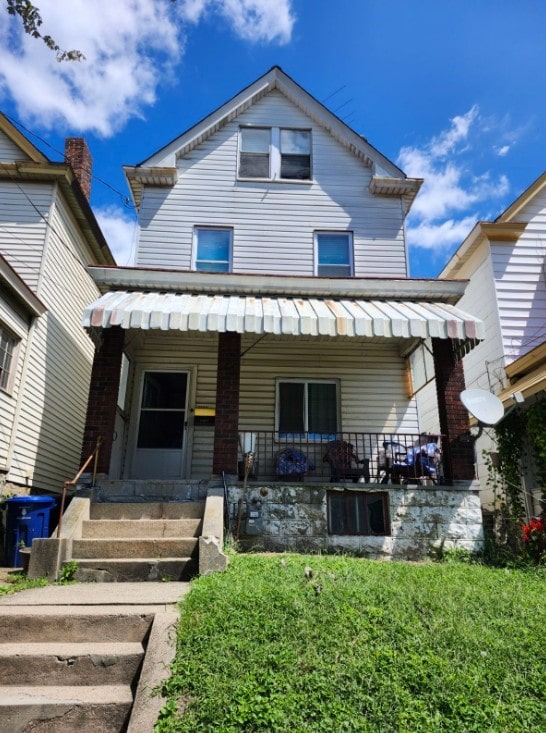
(334,254)
(163,410)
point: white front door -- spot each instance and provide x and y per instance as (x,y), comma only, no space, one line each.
(161,433)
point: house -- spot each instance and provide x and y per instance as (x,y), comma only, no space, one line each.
(505,263)
(48,236)
(267,328)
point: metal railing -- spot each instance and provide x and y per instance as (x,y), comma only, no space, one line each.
(350,456)
(74,481)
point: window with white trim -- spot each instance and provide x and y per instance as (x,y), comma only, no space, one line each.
(334,254)
(8,350)
(307,407)
(213,249)
(275,153)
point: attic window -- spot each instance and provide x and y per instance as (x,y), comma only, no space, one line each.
(274,153)
(254,152)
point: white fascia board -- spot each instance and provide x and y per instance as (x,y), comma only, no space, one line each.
(20,289)
(275,78)
(149,279)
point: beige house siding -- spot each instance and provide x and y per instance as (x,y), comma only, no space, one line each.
(371,378)
(52,412)
(273,222)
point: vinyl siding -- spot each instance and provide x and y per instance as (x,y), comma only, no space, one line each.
(371,377)
(24,210)
(18,324)
(520,274)
(52,414)
(9,152)
(273,222)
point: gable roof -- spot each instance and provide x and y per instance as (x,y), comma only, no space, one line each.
(505,228)
(37,167)
(159,168)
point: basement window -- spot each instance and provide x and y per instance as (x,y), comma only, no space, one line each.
(358,513)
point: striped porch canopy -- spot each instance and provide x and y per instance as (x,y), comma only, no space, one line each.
(282,315)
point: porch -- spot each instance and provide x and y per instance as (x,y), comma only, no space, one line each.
(358,457)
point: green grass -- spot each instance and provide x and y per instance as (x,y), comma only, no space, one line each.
(361,646)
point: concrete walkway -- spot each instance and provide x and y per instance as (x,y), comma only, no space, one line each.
(153,597)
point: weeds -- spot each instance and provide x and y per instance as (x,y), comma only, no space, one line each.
(382,647)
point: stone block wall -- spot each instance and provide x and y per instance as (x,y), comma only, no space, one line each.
(422,518)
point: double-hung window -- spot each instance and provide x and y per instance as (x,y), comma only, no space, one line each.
(358,513)
(8,346)
(334,254)
(213,249)
(307,407)
(295,148)
(275,153)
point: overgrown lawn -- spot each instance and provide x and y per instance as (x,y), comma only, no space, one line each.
(359,646)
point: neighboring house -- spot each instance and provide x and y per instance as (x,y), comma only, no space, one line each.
(271,311)
(505,261)
(48,236)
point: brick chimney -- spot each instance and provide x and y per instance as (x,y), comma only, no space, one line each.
(77,155)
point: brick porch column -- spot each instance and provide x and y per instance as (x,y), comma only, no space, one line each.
(457,453)
(226,425)
(103,395)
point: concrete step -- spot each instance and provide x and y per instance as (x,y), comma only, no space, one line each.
(34,624)
(134,548)
(132,528)
(148,510)
(48,709)
(123,570)
(60,663)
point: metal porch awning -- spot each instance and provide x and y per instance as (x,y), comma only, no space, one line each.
(282,316)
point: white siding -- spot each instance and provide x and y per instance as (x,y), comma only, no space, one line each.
(52,414)
(273,222)
(520,274)
(371,376)
(24,209)
(17,323)
(9,152)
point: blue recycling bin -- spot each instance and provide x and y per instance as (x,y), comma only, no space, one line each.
(27,517)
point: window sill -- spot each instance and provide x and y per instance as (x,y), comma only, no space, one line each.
(291,181)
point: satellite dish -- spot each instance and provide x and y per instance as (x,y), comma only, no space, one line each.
(484,406)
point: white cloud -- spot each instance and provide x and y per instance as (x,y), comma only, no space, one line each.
(502,151)
(253,20)
(452,193)
(131,46)
(120,231)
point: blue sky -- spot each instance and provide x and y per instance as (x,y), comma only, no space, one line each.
(452,92)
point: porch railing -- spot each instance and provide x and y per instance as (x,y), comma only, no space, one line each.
(351,456)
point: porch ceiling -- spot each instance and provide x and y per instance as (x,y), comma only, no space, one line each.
(282,316)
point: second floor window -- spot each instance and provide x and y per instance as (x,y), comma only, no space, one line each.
(275,153)
(334,254)
(213,249)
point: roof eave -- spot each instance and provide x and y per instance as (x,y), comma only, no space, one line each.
(62,174)
(20,289)
(152,279)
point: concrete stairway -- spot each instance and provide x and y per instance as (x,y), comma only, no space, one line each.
(64,671)
(148,541)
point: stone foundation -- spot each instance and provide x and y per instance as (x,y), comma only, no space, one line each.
(421,518)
